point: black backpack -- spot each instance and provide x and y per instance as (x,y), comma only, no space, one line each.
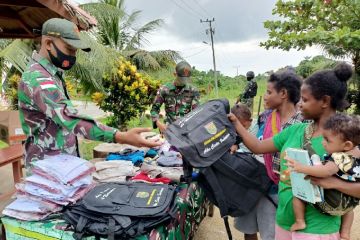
(121,210)
(234,183)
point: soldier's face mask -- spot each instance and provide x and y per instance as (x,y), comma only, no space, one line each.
(62,60)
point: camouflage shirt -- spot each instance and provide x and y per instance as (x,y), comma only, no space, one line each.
(178,101)
(48,117)
(250,90)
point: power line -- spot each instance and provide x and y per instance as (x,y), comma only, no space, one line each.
(201,7)
(197,53)
(192,9)
(190,13)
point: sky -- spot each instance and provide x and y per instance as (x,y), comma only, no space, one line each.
(238,30)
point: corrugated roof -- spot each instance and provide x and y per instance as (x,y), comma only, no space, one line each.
(18,18)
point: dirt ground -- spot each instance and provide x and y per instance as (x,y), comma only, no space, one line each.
(213,228)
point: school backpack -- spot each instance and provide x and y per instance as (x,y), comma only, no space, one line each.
(121,210)
(233,182)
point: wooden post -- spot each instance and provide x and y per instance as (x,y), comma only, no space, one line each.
(259,105)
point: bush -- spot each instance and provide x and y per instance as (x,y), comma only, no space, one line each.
(11,92)
(127,93)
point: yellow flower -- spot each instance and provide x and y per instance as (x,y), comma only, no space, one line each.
(97,97)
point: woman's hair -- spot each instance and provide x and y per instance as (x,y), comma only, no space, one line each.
(348,126)
(241,111)
(288,80)
(331,82)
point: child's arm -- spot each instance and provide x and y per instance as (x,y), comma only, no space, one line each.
(327,170)
(251,142)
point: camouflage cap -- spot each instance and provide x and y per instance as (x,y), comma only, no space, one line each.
(183,70)
(66,30)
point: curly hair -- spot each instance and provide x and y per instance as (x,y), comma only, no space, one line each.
(331,82)
(348,126)
(289,81)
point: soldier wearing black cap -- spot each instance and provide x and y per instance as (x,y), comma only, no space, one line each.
(250,91)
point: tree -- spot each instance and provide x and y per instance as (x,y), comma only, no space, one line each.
(118,30)
(309,65)
(332,24)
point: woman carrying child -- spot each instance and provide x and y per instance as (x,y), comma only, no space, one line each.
(321,95)
(341,136)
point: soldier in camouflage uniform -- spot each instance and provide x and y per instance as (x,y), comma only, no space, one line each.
(47,115)
(250,91)
(179,97)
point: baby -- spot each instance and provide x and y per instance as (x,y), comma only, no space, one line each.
(243,114)
(341,137)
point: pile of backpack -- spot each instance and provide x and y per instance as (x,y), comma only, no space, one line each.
(121,210)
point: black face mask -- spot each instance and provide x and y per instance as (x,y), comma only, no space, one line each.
(62,60)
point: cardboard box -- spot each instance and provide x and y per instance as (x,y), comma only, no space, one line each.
(10,127)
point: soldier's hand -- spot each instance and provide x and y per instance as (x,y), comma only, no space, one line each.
(134,138)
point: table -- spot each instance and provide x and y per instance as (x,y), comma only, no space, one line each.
(190,199)
(12,155)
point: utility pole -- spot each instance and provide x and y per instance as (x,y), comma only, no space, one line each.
(212,31)
(237,70)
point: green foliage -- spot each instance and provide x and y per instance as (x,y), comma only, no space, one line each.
(332,24)
(127,93)
(11,91)
(118,30)
(310,65)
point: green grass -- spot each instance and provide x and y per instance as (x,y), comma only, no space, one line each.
(86,148)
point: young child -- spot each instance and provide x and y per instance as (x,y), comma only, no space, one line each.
(243,114)
(341,137)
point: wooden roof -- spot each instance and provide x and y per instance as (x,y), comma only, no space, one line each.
(18,18)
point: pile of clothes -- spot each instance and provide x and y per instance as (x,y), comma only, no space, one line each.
(55,182)
(162,165)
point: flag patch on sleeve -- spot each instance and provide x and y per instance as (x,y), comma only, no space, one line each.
(48,84)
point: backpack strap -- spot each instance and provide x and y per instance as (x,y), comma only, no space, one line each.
(111,229)
(228,230)
(220,197)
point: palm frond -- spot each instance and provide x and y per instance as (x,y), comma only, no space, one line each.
(131,19)
(90,67)
(166,58)
(138,38)
(18,53)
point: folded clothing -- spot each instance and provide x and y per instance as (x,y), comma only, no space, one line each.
(136,157)
(151,153)
(170,159)
(173,173)
(143,177)
(114,171)
(63,168)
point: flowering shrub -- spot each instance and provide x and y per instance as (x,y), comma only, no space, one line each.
(11,92)
(127,93)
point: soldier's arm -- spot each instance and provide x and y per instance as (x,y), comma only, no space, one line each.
(158,101)
(246,90)
(51,101)
(196,100)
